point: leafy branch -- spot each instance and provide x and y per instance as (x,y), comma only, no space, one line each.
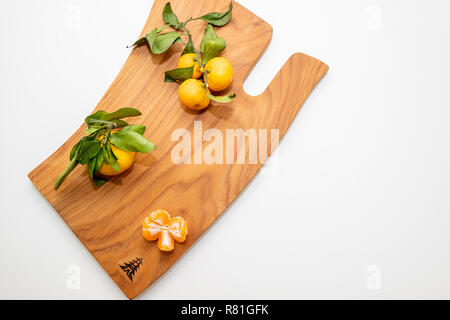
(211,45)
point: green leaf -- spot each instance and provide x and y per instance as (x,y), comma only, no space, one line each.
(105,155)
(179,74)
(108,156)
(91,167)
(119,123)
(92,130)
(111,154)
(131,141)
(211,45)
(99,181)
(94,121)
(135,127)
(209,34)
(189,47)
(99,161)
(75,149)
(217,18)
(115,165)
(151,36)
(88,150)
(170,18)
(139,42)
(221,99)
(112,158)
(163,28)
(97,116)
(212,48)
(148,38)
(122,113)
(162,42)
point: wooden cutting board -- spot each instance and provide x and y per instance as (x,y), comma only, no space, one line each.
(108,220)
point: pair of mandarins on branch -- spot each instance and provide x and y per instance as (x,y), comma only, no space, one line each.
(216,76)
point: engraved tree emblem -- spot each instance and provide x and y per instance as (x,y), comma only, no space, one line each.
(131,267)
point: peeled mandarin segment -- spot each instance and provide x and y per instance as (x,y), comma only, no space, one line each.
(160,216)
(146,222)
(178,229)
(166,242)
(151,231)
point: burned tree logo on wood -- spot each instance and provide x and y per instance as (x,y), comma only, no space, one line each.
(131,267)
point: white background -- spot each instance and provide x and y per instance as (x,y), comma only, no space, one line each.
(358,207)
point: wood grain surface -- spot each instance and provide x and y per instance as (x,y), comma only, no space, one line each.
(108,219)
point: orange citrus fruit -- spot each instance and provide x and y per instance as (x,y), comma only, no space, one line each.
(220,73)
(193,95)
(187,60)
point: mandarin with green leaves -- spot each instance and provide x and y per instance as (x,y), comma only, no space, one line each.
(109,145)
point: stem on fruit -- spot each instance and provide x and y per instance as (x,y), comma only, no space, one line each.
(197,53)
(206,80)
(73,163)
